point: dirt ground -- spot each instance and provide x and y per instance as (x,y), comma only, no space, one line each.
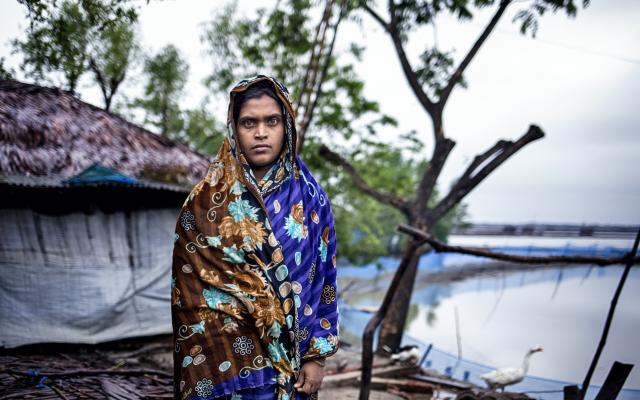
(141,368)
(128,369)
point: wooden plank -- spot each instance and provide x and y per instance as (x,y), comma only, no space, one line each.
(351,378)
(393,371)
(339,380)
(441,381)
(571,392)
(614,382)
(405,385)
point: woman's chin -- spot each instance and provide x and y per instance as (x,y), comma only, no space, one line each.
(261,162)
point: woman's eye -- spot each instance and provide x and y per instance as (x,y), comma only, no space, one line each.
(273,121)
(247,123)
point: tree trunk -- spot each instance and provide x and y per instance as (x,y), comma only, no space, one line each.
(393,324)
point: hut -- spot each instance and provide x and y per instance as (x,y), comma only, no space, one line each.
(88,204)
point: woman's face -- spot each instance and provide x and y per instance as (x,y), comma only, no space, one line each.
(260,129)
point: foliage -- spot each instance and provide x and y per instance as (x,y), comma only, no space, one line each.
(202,131)
(528,17)
(104,12)
(59,44)
(434,71)
(435,66)
(277,42)
(5,73)
(414,13)
(166,75)
(63,36)
(113,52)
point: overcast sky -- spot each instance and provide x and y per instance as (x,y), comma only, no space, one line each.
(579,80)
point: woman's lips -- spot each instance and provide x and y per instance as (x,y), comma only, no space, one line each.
(261,148)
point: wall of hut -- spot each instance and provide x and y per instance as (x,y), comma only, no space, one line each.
(84,277)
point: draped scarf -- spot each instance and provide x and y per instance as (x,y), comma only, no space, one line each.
(253,275)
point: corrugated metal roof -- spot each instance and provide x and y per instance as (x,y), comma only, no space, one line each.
(50,182)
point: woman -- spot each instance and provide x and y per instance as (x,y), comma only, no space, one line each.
(254,282)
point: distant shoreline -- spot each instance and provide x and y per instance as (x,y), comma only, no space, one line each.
(548,230)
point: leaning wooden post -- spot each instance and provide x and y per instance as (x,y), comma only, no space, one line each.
(605,332)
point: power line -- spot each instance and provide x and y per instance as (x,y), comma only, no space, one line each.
(617,57)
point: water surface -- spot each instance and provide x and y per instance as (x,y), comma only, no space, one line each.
(504,313)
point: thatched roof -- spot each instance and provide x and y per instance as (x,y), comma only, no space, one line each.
(47,136)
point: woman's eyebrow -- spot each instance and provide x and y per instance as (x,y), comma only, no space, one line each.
(251,117)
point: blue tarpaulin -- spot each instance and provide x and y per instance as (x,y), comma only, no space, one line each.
(99,174)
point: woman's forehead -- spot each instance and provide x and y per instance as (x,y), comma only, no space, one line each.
(260,105)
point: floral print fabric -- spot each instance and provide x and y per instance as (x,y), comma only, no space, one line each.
(254,282)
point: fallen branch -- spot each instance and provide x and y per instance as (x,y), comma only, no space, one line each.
(439,247)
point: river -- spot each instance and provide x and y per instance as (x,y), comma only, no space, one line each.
(505,310)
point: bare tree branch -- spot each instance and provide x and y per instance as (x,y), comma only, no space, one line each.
(430,176)
(476,251)
(385,198)
(409,73)
(375,15)
(479,159)
(500,152)
(455,77)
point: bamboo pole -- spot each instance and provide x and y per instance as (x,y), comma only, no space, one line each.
(614,302)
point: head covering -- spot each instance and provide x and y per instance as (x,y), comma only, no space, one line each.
(253,278)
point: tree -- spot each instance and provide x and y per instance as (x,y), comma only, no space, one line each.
(57,44)
(69,38)
(113,51)
(166,75)
(202,131)
(432,82)
(331,107)
(5,73)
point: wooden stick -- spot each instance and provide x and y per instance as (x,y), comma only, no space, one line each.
(607,324)
(59,392)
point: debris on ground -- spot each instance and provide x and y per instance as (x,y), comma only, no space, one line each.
(141,368)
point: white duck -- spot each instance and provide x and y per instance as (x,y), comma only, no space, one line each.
(508,376)
(407,354)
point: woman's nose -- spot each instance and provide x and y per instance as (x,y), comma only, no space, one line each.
(261,130)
